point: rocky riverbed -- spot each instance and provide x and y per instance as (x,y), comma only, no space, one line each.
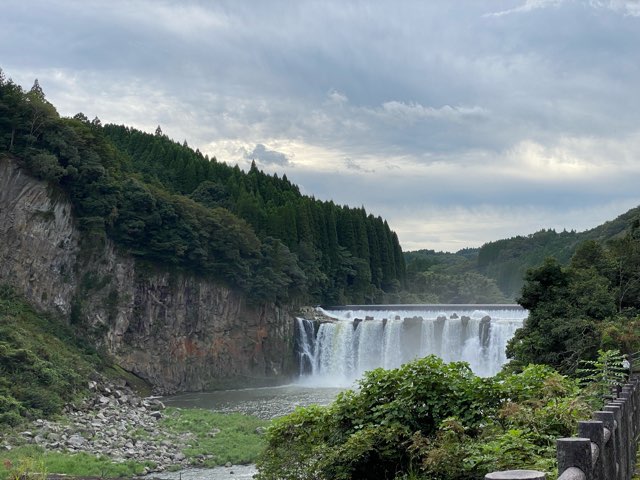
(116,423)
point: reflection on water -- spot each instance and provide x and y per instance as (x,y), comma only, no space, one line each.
(266,403)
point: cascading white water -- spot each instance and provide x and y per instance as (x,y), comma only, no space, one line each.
(338,352)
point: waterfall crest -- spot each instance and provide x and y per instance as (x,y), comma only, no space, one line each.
(335,353)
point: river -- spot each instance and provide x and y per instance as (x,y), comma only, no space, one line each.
(266,403)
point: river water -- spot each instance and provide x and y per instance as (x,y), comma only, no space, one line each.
(266,403)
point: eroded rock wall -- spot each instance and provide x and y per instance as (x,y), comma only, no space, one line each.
(178,331)
(38,241)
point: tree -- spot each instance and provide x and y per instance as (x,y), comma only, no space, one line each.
(81,117)
(36,91)
(40,114)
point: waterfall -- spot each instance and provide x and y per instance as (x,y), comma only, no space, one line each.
(358,339)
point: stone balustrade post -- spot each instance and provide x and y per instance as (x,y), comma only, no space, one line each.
(619,446)
(628,456)
(608,452)
(574,453)
(594,431)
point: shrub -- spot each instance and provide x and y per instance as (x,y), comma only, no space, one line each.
(427,420)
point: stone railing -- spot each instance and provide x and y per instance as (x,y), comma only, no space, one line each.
(605,448)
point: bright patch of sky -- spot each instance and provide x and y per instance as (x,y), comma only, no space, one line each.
(459,122)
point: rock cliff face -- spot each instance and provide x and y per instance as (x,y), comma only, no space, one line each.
(179,332)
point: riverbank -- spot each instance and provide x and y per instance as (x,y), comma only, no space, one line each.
(114,432)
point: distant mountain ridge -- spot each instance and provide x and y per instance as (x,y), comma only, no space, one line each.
(505,261)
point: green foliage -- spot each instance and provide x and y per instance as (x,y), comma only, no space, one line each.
(25,468)
(39,464)
(169,204)
(41,365)
(506,261)
(575,311)
(427,420)
(535,383)
(600,376)
(437,287)
(228,437)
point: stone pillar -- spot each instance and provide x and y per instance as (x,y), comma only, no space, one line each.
(608,451)
(620,449)
(627,395)
(628,455)
(574,453)
(594,431)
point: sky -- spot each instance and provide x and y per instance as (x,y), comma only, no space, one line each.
(458,121)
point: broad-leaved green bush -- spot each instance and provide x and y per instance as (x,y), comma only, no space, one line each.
(427,420)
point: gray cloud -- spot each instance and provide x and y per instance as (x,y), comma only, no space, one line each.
(351,164)
(531,104)
(267,157)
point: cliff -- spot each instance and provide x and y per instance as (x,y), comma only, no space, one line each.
(178,331)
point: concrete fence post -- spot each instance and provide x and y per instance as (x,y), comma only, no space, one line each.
(575,453)
(608,452)
(619,446)
(594,431)
(627,452)
(627,395)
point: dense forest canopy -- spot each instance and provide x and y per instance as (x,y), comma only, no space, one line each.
(169,204)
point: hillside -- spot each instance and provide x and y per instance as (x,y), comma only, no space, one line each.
(42,366)
(167,203)
(503,263)
(182,269)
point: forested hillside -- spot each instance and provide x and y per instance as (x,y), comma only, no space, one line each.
(168,204)
(499,267)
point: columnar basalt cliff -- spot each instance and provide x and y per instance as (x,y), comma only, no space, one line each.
(177,331)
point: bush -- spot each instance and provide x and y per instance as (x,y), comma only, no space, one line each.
(365,434)
(428,420)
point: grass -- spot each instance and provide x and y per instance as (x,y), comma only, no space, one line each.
(34,462)
(212,439)
(228,437)
(42,364)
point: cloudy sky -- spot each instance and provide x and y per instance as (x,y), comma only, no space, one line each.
(458,121)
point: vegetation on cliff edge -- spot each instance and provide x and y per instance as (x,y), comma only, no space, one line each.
(166,203)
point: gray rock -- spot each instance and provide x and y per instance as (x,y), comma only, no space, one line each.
(76,440)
